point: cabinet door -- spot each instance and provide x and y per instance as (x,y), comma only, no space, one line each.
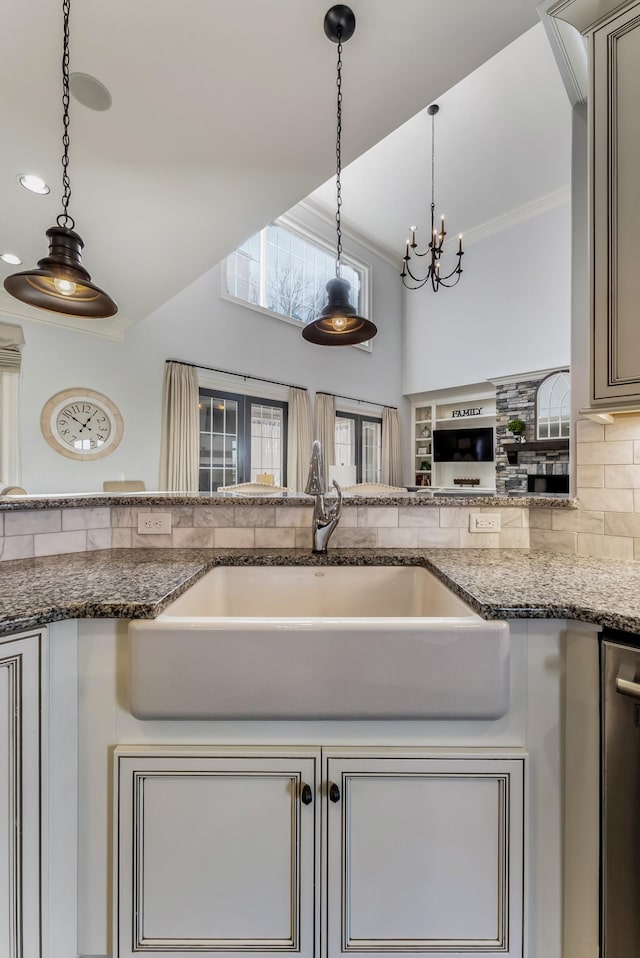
(216,852)
(20,888)
(615,130)
(425,855)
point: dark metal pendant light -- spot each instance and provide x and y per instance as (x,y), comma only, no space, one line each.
(60,282)
(339,324)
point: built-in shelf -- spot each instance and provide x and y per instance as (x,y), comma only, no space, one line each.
(535,445)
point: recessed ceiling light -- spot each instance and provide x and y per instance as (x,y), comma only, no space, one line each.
(10,258)
(33,183)
(89,91)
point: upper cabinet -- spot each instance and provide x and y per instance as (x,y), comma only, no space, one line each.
(614,53)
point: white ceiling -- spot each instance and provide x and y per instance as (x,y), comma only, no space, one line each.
(503,149)
(223,116)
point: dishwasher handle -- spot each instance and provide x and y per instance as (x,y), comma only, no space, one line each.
(627,687)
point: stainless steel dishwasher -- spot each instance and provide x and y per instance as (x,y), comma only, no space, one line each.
(620,777)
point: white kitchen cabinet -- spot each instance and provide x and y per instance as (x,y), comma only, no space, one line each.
(218,852)
(424,855)
(20,780)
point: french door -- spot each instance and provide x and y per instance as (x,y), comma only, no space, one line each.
(242,438)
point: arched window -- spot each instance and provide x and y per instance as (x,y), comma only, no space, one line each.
(553,413)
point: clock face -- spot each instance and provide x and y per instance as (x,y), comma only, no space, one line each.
(81,424)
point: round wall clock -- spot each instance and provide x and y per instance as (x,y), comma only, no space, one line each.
(81,423)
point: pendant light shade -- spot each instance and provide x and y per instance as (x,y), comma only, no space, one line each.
(60,282)
(339,324)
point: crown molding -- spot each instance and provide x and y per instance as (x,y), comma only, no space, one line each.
(104,328)
(521,214)
(523,377)
(569,49)
(587,15)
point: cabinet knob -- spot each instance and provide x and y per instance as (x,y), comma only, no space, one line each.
(306,795)
(334,792)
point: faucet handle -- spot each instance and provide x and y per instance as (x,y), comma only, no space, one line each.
(336,510)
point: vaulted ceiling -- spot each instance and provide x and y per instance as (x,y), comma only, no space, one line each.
(223,117)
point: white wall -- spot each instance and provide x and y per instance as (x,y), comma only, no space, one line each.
(195,326)
(510,313)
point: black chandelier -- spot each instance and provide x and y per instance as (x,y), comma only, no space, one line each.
(60,282)
(433,252)
(339,324)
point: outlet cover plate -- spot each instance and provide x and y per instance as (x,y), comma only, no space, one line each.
(154,523)
(484,522)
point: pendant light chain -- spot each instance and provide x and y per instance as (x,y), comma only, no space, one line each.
(339,153)
(433,167)
(65,219)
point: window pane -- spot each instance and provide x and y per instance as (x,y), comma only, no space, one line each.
(295,277)
(553,406)
(205,414)
(205,450)
(203,480)
(267,442)
(345,442)
(371,451)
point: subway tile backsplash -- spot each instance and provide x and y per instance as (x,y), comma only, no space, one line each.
(607,523)
(50,532)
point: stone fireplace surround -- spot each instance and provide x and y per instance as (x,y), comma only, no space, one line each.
(517,399)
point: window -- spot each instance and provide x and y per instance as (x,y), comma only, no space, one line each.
(286,273)
(553,413)
(241,437)
(359,444)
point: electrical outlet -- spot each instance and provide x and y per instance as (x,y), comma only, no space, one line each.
(484,522)
(154,523)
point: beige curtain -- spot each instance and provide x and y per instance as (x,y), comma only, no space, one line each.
(391,448)
(326,430)
(11,339)
(179,449)
(300,437)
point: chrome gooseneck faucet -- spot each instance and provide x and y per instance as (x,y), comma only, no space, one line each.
(324,520)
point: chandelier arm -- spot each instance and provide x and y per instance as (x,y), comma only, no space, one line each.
(455,282)
(456,269)
(417,279)
(419,284)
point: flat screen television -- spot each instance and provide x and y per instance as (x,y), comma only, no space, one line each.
(463,445)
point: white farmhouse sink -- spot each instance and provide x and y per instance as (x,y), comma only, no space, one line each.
(333,642)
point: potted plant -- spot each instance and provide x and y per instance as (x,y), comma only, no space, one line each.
(517,428)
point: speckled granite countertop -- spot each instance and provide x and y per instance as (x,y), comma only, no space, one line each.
(497,583)
(168,499)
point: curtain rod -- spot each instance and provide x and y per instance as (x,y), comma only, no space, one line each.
(321,392)
(230,372)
